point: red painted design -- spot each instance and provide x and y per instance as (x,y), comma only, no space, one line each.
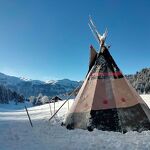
(123,100)
(105,74)
(91,47)
(105,101)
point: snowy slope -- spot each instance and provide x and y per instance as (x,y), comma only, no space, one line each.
(17,134)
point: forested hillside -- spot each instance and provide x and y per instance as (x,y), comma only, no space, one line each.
(141,81)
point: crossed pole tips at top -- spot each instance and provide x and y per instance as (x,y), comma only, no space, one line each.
(99,38)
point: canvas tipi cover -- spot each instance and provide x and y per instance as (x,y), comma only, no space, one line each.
(106,100)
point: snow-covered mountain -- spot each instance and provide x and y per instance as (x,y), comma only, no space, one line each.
(141,81)
(28,87)
(12,80)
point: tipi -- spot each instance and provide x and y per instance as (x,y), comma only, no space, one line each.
(106,100)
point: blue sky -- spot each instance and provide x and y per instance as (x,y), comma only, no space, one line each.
(50,39)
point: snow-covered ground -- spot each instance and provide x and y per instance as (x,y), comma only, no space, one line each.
(17,134)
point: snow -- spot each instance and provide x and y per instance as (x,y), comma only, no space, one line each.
(50,82)
(17,134)
(146,98)
(63,82)
(25,79)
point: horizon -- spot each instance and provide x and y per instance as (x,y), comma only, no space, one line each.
(50,40)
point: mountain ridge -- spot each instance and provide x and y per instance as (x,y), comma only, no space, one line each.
(34,87)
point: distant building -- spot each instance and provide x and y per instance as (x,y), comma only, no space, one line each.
(55,99)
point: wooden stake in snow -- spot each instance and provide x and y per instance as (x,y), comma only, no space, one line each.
(64,103)
(54,106)
(28,116)
(58,110)
(68,105)
(50,108)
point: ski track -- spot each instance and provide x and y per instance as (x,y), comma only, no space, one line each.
(17,134)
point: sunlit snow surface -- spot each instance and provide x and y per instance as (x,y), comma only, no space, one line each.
(17,134)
